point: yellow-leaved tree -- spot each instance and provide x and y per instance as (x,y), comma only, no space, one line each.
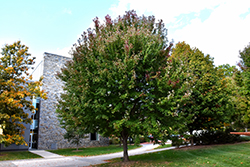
(16,92)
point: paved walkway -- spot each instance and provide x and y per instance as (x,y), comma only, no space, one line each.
(54,160)
(45,154)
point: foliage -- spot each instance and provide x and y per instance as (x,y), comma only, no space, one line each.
(137,140)
(227,69)
(207,103)
(121,81)
(242,80)
(245,58)
(237,98)
(16,91)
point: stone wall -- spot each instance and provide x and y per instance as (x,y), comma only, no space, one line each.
(50,135)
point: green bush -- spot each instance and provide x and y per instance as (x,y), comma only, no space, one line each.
(216,137)
(177,141)
(114,140)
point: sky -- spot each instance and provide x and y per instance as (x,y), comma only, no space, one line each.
(219,28)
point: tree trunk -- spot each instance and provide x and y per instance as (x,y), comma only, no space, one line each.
(125,146)
(192,141)
(120,141)
(192,138)
(78,140)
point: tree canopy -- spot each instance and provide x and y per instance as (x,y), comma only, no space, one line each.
(121,80)
(16,92)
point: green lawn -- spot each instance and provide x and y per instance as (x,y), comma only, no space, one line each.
(220,155)
(164,146)
(14,155)
(91,150)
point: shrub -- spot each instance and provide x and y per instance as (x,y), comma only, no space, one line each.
(215,137)
(114,140)
(177,140)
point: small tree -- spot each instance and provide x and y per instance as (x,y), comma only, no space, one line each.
(74,136)
(16,92)
(120,79)
(74,130)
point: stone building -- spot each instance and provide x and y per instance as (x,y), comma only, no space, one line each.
(50,134)
(45,132)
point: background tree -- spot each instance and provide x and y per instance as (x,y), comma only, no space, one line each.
(121,79)
(16,92)
(242,79)
(227,70)
(207,102)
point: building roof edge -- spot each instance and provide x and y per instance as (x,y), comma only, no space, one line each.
(46,53)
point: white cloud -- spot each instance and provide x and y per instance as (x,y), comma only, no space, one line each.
(164,9)
(221,35)
(62,51)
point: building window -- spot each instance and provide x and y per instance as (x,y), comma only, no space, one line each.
(94,136)
(33,141)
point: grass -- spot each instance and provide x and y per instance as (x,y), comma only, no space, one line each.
(91,150)
(217,155)
(15,155)
(164,146)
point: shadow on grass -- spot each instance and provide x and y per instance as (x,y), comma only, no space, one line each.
(90,151)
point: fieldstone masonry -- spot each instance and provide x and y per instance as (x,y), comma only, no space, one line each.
(50,135)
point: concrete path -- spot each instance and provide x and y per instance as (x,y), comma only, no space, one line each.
(54,160)
(45,154)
